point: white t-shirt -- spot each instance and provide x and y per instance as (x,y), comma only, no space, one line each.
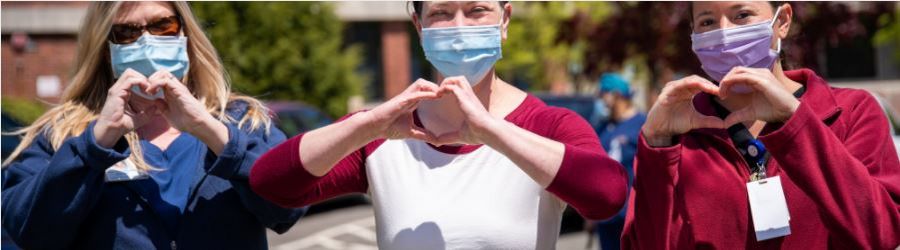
(427,199)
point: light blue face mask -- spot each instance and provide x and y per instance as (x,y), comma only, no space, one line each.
(149,54)
(469,51)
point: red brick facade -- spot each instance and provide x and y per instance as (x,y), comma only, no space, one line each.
(47,55)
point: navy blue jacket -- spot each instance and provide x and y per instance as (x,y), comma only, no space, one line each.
(60,199)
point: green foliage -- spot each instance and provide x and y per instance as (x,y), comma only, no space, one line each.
(285,51)
(533,47)
(889,34)
(22,110)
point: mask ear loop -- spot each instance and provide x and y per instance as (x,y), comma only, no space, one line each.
(775,18)
(778,46)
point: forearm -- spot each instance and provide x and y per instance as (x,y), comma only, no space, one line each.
(280,176)
(213,133)
(537,156)
(577,174)
(322,148)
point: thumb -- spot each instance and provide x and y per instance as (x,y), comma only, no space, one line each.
(706,121)
(741,115)
(448,138)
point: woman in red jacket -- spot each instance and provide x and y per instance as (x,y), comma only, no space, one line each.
(764,158)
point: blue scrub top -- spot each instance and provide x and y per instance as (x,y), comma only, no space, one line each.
(179,167)
(195,200)
(620,142)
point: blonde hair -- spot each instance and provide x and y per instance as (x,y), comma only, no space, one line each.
(92,76)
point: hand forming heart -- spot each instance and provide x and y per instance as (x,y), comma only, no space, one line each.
(122,113)
(674,113)
(118,116)
(394,120)
(769,100)
(476,120)
(180,107)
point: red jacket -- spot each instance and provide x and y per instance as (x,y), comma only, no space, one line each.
(838,168)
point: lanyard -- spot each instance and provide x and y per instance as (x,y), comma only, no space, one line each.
(752,150)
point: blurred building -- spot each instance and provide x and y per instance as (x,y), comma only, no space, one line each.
(38,47)
(394,57)
(39,42)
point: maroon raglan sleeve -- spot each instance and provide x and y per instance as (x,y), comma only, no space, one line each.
(588,180)
(279,175)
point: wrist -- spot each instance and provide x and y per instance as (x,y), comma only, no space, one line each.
(210,129)
(791,108)
(198,126)
(488,131)
(657,140)
(105,136)
(366,126)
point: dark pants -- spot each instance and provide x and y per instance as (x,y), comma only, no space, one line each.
(608,232)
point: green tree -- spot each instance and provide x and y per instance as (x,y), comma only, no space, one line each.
(540,49)
(284,51)
(889,34)
(22,110)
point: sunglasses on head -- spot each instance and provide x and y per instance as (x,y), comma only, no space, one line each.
(129,32)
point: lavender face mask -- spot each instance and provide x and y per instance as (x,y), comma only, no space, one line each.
(745,45)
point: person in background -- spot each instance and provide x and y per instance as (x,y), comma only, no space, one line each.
(760,157)
(619,136)
(149,149)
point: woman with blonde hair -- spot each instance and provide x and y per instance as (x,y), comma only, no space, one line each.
(148,149)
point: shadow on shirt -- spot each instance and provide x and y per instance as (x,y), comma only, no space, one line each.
(425,236)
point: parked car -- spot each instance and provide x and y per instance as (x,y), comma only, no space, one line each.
(294,117)
(588,107)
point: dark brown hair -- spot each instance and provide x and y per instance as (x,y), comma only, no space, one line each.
(782,56)
(774,4)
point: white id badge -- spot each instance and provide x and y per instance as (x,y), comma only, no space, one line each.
(768,208)
(124,171)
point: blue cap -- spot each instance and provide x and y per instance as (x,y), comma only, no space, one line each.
(612,82)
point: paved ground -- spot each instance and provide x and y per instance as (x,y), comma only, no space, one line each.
(353,228)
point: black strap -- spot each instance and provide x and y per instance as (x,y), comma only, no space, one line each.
(741,136)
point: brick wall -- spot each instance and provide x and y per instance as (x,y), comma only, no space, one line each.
(44,54)
(47,55)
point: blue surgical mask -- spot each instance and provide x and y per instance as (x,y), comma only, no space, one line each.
(469,51)
(149,54)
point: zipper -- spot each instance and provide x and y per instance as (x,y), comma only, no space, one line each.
(743,167)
